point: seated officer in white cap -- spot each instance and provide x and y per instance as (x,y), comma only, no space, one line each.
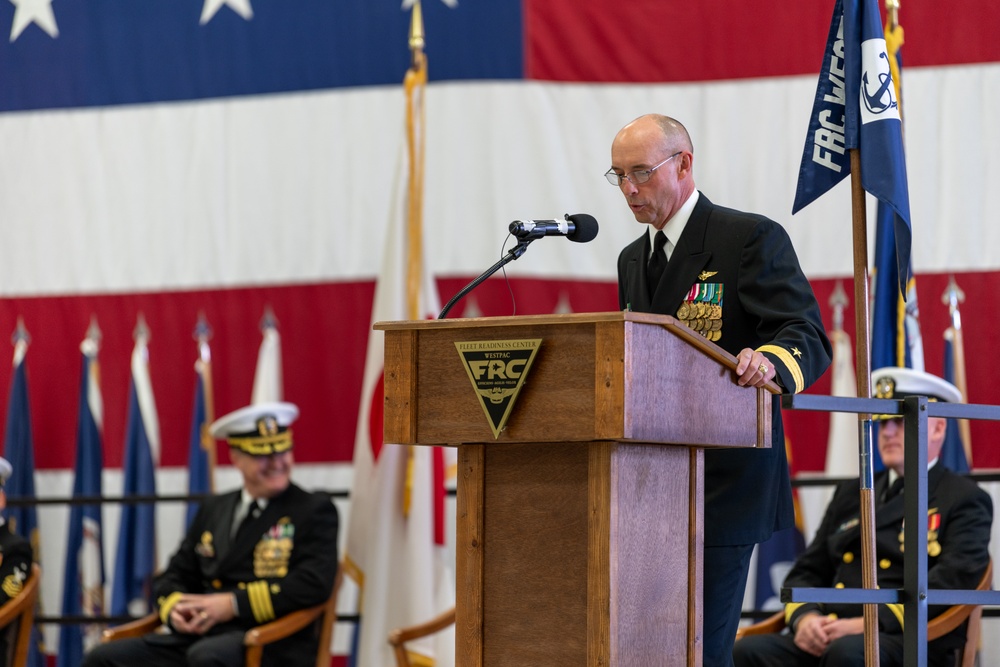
(960,515)
(15,558)
(249,557)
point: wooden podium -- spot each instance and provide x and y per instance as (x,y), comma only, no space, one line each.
(579,526)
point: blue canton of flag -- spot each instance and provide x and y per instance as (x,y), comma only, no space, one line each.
(135,558)
(83,582)
(855,107)
(19,449)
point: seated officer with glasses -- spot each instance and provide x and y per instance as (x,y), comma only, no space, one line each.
(734,278)
(959,518)
(249,557)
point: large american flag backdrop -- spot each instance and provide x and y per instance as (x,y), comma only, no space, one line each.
(177,157)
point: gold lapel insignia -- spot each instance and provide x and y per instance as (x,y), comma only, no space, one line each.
(796,352)
(705,275)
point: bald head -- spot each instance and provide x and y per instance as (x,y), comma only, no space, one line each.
(672,134)
(657,144)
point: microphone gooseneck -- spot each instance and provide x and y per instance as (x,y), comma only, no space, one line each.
(578,227)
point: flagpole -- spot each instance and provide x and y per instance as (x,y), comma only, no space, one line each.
(415,83)
(862,329)
(202,334)
(953,296)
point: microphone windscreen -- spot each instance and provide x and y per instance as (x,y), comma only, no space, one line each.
(585,228)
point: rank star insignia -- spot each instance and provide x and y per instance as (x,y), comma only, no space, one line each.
(705,275)
(796,352)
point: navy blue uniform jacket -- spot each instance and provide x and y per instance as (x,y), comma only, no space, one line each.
(746,264)
(959,516)
(285,559)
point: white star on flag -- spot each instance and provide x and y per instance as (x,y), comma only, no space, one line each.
(33,11)
(241,7)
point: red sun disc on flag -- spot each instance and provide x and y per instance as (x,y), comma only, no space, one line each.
(375,416)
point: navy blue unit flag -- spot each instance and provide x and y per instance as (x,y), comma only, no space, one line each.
(855,107)
(199,470)
(83,581)
(135,558)
(19,449)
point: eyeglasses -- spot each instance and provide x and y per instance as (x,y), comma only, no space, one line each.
(636,177)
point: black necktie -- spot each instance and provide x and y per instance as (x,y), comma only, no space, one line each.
(253,511)
(894,490)
(657,262)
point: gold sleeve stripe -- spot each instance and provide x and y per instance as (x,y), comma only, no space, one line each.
(260,601)
(790,363)
(789,610)
(167,606)
(897,611)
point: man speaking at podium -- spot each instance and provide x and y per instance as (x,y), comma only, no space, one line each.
(733,277)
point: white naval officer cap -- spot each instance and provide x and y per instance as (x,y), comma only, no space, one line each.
(897,383)
(6,469)
(261,429)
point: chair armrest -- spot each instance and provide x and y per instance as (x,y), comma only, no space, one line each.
(439,622)
(952,617)
(136,628)
(955,615)
(771,624)
(282,627)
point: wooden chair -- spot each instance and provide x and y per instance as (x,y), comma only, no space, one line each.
(936,627)
(21,610)
(399,636)
(257,638)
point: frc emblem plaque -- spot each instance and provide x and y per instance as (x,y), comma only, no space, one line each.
(497,369)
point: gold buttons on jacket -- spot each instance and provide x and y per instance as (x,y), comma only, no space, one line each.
(848,557)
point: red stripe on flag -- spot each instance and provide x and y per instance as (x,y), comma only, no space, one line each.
(649,41)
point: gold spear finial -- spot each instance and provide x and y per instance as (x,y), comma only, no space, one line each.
(892,12)
(417,31)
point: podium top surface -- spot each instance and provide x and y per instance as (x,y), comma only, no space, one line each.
(619,376)
(520,320)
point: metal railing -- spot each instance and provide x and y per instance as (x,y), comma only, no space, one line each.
(914,596)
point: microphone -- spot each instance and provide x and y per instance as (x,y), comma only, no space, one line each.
(578,227)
